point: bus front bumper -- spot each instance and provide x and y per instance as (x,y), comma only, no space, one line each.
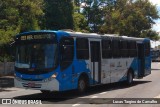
(52,85)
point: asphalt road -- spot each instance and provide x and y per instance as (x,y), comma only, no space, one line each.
(148,87)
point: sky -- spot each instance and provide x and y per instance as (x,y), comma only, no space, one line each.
(156,26)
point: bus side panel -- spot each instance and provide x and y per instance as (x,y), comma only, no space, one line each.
(69,77)
(144,59)
(141,60)
(119,68)
(106,73)
(147,66)
(134,67)
(131,63)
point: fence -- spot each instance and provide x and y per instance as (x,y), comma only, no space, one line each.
(6,68)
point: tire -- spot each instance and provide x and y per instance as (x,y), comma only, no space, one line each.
(129,77)
(82,85)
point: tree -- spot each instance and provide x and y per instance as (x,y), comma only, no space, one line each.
(153,35)
(131,18)
(17,16)
(93,14)
(30,11)
(8,24)
(59,14)
(80,23)
(76,2)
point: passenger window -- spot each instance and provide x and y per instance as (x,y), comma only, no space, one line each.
(123,49)
(147,49)
(132,48)
(67,52)
(82,48)
(116,48)
(106,49)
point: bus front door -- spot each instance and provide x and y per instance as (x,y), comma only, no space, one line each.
(95,61)
(141,60)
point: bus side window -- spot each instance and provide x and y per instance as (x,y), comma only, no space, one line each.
(133,49)
(124,50)
(147,48)
(106,49)
(115,48)
(82,48)
(67,52)
(129,48)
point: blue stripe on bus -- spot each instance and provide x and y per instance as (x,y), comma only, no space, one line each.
(133,66)
(64,77)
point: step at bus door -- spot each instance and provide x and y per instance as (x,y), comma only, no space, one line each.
(95,62)
(141,60)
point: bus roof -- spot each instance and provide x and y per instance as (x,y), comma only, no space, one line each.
(87,35)
(94,35)
(36,31)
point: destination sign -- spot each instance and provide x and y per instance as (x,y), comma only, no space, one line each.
(37,37)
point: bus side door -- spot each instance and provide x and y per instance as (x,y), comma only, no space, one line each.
(95,54)
(141,60)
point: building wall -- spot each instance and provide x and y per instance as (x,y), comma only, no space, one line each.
(6,68)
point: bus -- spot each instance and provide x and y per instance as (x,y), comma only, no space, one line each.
(49,60)
(155,55)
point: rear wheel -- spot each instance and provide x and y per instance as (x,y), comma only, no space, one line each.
(82,85)
(129,77)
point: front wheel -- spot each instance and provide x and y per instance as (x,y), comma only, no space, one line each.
(129,78)
(82,85)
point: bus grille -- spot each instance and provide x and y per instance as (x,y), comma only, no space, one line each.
(31,85)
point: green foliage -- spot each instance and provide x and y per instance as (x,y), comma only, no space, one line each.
(150,34)
(80,22)
(131,18)
(17,16)
(124,17)
(58,14)
(77,3)
(29,13)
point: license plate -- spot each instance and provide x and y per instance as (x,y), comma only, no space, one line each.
(31,84)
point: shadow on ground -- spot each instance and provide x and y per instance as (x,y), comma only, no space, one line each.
(155,69)
(70,97)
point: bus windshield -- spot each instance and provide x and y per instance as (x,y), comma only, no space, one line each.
(36,55)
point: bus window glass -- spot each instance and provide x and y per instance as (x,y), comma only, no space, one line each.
(106,49)
(67,52)
(37,56)
(82,48)
(115,48)
(132,48)
(124,50)
(147,48)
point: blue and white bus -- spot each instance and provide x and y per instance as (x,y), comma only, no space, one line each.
(58,60)
(155,55)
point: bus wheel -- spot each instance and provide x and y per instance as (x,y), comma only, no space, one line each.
(82,85)
(129,77)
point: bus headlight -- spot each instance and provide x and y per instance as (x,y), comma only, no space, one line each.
(54,75)
(50,78)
